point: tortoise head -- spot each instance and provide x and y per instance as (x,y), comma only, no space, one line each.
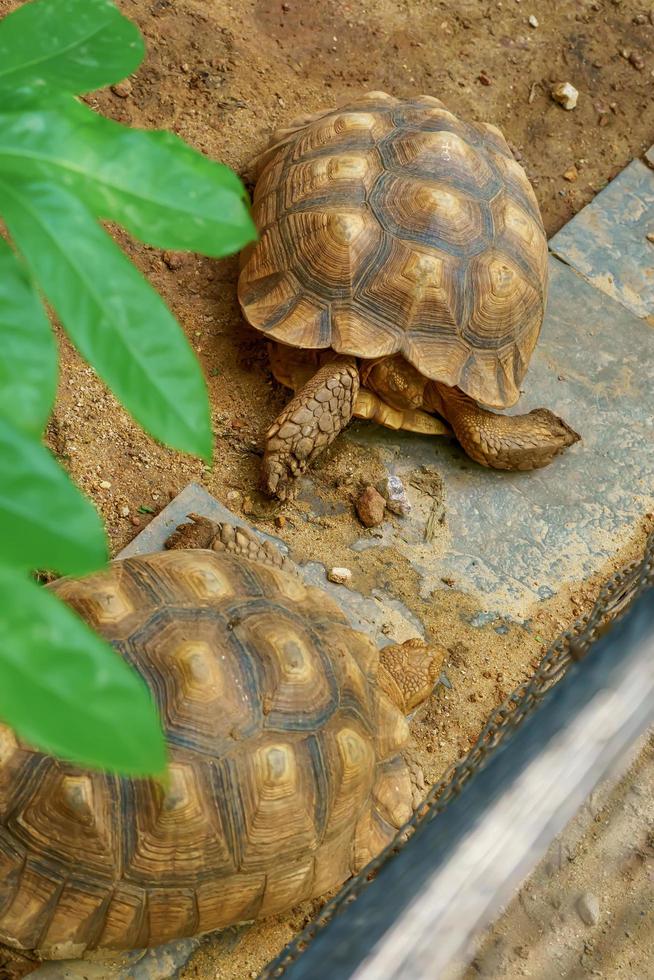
(408,671)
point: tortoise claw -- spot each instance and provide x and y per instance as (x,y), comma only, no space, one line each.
(278,476)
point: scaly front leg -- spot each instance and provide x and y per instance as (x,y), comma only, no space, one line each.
(308,424)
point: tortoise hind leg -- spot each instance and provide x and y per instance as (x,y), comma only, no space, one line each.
(398,789)
(309,423)
(503,442)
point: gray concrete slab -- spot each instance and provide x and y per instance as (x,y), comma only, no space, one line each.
(607,241)
(512,538)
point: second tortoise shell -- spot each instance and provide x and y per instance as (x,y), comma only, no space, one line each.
(285,767)
(391,226)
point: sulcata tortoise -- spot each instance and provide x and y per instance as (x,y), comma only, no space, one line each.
(401,274)
(285,730)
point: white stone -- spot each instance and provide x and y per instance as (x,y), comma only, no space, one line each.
(392,490)
(588,908)
(565,94)
(533,21)
(341,576)
(124,511)
(105,485)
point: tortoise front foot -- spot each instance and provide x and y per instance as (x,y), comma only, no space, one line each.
(202,532)
(506,442)
(308,424)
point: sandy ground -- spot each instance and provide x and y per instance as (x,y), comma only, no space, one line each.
(602,863)
(223,75)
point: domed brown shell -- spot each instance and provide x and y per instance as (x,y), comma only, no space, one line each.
(393,226)
(284,767)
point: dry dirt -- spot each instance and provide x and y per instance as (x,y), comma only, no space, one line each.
(225,74)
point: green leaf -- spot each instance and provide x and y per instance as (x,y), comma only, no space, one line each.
(28,365)
(114,317)
(64,690)
(158,188)
(66,45)
(45,521)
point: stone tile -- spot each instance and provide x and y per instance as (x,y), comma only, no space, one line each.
(607,241)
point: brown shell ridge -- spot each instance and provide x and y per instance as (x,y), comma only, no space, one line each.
(323,787)
(93,926)
(229,806)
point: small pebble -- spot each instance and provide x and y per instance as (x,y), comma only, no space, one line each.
(136,521)
(341,576)
(280,520)
(392,490)
(636,60)
(124,511)
(565,94)
(173,260)
(122,89)
(484,78)
(370,507)
(233,495)
(533,21)
(650,237)
(572,174)
(588,908)
(105,485)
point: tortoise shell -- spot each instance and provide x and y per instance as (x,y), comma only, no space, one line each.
(391,226)
(285,775)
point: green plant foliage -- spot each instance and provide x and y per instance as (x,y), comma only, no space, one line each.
(28,365)
(63,169)
(63,689)
(65,46)
(45,522)
(152,183)
(112,315)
